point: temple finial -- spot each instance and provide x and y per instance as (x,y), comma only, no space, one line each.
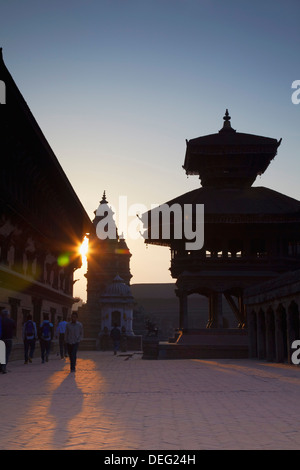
(227,124)
(227,117)
(103,201)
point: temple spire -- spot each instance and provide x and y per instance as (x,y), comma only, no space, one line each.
(227,124)
(227,117)
(104,200)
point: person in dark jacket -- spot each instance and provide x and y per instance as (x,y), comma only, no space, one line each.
(115,335)
(45,336)
(8,331)
(29,334)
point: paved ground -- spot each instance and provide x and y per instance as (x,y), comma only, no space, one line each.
(126,403)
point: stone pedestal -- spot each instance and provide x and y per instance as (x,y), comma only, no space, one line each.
(150,348)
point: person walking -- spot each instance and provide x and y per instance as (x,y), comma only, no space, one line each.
(115,335)
(60,331)
(123,340)
(8,330)
(73,336)
(45,336)
(29,335)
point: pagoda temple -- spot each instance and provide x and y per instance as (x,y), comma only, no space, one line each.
(251,233)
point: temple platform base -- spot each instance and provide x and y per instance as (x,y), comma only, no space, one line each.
(201,344)
(131,343)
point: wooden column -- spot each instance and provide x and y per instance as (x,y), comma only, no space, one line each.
(210,311)
(252,334)
(261,335)
(279,343)
(270,336)
(183,311)
(293,332)
(215,310)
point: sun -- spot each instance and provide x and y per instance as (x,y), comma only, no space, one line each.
(83,249)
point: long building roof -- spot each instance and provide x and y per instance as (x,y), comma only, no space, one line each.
(26,151)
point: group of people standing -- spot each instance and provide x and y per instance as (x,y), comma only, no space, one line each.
(69,336)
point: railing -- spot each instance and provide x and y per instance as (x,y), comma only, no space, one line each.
(193,263)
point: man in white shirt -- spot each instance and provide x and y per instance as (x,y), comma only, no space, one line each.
(73,336)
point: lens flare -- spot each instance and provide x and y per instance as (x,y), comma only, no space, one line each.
(121,251)
(63,259)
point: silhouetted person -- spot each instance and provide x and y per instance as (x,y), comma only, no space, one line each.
(46,336)
(123,340)
(73,336)
(61,330)
(29,334)
(115,334)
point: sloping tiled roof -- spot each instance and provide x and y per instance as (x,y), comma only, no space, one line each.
(253,200)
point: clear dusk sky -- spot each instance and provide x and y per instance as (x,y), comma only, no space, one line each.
(118,85)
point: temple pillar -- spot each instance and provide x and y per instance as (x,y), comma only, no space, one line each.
(270,336)
(183,311)
(252,330)
(210,311)
(279,333)
(293,332)
(243,314)
(215,310)
(261,335)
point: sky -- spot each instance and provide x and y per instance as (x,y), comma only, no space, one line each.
(117,86)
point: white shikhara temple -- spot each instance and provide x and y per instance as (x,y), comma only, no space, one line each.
(117,306)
